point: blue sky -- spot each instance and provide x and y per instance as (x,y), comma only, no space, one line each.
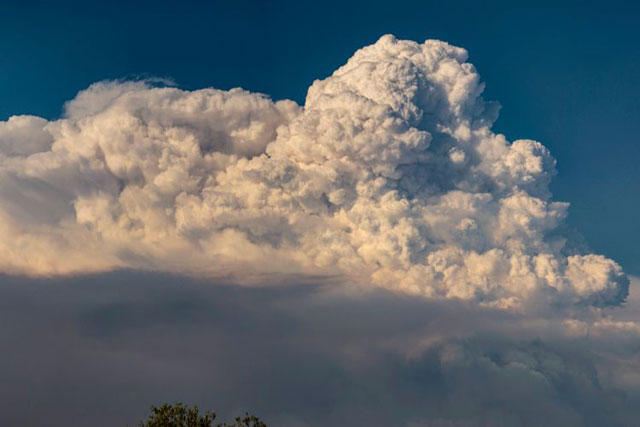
(567,74)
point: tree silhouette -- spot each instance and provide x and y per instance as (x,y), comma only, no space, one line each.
(179,415)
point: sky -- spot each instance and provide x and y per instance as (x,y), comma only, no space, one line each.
(365,245)
(566,74)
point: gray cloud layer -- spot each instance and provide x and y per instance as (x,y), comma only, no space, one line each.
(98,350)
(388,175)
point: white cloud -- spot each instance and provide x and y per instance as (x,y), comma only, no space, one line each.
(389,174)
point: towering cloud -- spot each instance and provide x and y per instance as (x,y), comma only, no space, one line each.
(389,175)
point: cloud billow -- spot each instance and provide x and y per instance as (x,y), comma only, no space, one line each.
(389,175)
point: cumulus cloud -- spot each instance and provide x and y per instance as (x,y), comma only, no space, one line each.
(389,175)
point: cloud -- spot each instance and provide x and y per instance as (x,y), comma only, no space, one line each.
(389,175)
(388,184)
(98,350)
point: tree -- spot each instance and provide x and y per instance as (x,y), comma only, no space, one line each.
(179,415)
